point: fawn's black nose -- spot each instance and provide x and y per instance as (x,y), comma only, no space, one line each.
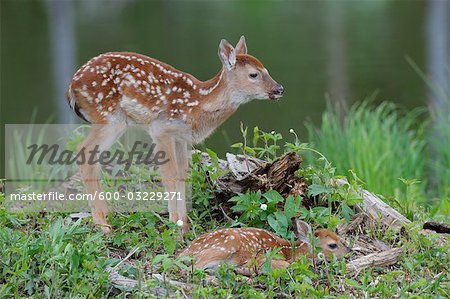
(280,89)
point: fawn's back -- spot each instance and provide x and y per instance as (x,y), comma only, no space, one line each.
(120,87)
(119,84)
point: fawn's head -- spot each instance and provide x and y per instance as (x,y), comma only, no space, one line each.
(246,75)
(329,242)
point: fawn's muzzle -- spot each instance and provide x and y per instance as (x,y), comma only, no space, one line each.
(277,92)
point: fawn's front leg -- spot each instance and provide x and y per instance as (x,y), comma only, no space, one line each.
(168,170)
(100,138)
(173,175)
(182,155)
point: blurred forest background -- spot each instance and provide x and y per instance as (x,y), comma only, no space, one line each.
(343,49)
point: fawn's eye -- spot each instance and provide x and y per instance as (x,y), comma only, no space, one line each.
(332,245)
(253,75)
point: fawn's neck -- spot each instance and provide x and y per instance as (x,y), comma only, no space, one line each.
(217,101)
(301,248)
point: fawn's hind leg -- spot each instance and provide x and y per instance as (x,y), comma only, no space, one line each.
(255,268)
(210,258)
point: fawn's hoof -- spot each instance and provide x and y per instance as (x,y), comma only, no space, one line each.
(99,218)
(184,226)
(105,228)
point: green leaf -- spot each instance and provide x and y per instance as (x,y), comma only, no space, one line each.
(279,223)
(158,258)
(354,199)
(304,213)
(316,189)
(353,283)
(244,130)
(346,212)
(290,207)
(239,208)
(282,219)
(273,196)
(74,261)
(250,150)
(235,198)
(255,135)
(273,223)
(212,155)
(168,241)
(320,211)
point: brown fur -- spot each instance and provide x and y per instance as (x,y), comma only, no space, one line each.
(243,59)
(119,88)
(246,248)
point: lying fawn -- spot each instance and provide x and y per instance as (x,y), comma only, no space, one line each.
(120,88)
(246,247)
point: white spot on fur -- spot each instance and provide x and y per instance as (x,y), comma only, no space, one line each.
(211,89)
(99,97)
(191,104)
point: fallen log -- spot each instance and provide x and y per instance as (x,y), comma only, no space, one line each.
(249,173)
(344,228)
(252,174)
(377,209)
(379,259)
(438,227)
(127,284)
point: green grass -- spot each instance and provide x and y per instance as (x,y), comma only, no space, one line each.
(405,156)
(439,132)
(439,146)
(441,149)
(49,255)
(377,142)
(52,256)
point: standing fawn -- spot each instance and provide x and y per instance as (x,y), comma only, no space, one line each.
(246,247)
(120,88)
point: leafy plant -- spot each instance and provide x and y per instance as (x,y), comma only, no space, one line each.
(258,209)
(51,255)
(265,145)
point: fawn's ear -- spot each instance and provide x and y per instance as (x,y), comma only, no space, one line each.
(227,54)
(302,230)
(241,46)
